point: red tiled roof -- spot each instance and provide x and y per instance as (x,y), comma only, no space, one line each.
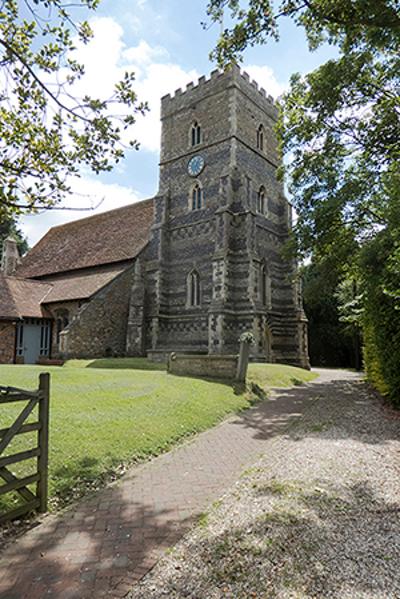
(27,298)
(21,298)
(105,238)
(80,285)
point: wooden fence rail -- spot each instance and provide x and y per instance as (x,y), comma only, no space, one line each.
(39,398)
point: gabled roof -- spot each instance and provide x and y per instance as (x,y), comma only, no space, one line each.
(80,285)
(28,298)
(21,298)
(106,238)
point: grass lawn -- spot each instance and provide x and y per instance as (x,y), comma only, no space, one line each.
(107,414)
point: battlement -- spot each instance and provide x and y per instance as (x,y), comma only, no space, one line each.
(233,75)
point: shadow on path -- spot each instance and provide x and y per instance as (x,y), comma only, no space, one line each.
(309,542)
(91,550)
(271,418)
(105,543)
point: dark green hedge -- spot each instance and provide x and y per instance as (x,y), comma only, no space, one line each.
(381,324)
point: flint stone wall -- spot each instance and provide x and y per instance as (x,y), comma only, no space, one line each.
(7,342)
(99,328)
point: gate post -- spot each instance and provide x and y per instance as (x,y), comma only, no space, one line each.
(43,460)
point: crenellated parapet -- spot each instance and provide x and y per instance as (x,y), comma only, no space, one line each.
(217,81)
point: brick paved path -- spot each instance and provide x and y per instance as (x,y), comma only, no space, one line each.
(101,546)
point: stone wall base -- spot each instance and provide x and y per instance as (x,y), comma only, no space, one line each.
(216,367)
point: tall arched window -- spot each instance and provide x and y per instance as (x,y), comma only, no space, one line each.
(260,138)
(195,134)
(193,288)
(196,199)
(261,201)
(61,323)
(265,287)
(59,329)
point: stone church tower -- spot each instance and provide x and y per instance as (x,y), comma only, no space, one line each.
(214,268)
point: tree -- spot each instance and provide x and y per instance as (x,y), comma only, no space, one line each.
(333,336)
(341,123)
(340,131)
(47,130)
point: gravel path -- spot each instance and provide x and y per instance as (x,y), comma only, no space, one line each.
(317,516)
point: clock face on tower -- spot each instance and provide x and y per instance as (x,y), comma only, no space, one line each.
(196,165)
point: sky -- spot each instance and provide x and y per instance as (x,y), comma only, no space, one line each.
(164,43)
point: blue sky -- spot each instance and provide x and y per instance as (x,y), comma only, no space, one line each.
(165,44)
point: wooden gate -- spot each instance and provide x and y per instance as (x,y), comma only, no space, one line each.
(39,398)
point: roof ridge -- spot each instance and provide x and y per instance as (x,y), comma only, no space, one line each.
(28,279)
(108,237)
(99,214)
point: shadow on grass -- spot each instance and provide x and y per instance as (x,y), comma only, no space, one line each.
(126,363)
(110,537)
(78,478)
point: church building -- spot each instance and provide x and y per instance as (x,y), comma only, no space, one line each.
(189,270)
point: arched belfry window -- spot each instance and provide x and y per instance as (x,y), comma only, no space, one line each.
(193,288)
(195,134)
(261,201)
(196,197)
(265,287)
(260,138)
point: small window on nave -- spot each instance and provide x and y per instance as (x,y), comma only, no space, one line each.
(193,288)
(260,138)
(196,198)
(61,323)
(195,134)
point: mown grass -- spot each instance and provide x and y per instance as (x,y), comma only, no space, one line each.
(108,414)
(269,376)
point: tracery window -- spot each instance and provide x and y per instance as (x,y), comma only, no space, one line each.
(193,288)
(195,134)
(197,197)
(260,138)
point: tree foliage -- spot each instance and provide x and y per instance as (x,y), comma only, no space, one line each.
(47,129)
(340,124)
(381,319)
(333,335)
(340,131)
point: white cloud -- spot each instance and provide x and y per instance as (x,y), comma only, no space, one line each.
(159,79)
(266,78)
(106,58)
(143,54)
(88,193)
